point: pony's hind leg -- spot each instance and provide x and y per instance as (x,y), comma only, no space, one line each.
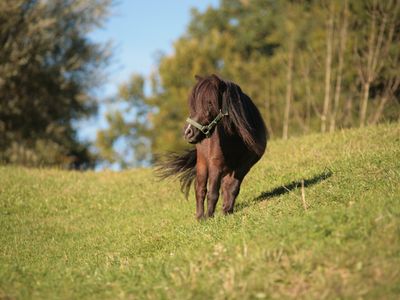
(230,190)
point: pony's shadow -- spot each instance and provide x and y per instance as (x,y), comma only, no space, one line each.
(284,189)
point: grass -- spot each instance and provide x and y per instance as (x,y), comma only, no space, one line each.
(107,235)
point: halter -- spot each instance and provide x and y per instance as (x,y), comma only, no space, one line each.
(206,129)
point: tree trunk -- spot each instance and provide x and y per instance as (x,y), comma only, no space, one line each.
(328,70)
(368,76)
(305,72)
(267,105)
(342,47)
(289,93)
(364,103)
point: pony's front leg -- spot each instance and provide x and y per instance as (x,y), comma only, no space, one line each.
(214,183)
(200,188)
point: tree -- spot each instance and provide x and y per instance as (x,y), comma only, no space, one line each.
(304,64)
(374,45)
(47,71)
(128,119)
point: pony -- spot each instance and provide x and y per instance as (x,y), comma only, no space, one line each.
(229,135)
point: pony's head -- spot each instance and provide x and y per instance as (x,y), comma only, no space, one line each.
(216,102)
(206,108)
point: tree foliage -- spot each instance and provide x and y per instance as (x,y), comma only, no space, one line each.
(128,123)
(308,65)
(48,67)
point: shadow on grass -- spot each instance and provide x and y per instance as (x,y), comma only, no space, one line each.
(284,189)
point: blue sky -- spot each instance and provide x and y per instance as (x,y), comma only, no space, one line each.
(138,30)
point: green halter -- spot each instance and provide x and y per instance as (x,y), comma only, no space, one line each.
(206,129)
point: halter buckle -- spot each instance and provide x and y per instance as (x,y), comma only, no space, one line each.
(206,129)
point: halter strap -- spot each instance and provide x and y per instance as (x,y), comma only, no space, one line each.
(206,129)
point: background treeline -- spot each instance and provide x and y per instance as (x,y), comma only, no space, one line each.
(309,66)
(48,69)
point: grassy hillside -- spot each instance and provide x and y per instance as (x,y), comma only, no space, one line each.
(126,235)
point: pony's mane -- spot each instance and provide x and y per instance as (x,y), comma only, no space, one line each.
(243,118)
(207,90)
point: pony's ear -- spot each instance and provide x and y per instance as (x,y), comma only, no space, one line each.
(216,78)
(198,77)
(218,82)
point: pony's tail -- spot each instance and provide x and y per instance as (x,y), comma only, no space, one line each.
(181,165)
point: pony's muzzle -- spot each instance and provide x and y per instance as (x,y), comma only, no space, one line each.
(191,134)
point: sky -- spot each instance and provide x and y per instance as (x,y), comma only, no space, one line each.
(138,30)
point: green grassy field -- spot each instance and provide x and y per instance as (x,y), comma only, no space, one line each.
(107,235)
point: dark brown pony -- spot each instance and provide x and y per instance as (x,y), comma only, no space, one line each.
(230,137)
